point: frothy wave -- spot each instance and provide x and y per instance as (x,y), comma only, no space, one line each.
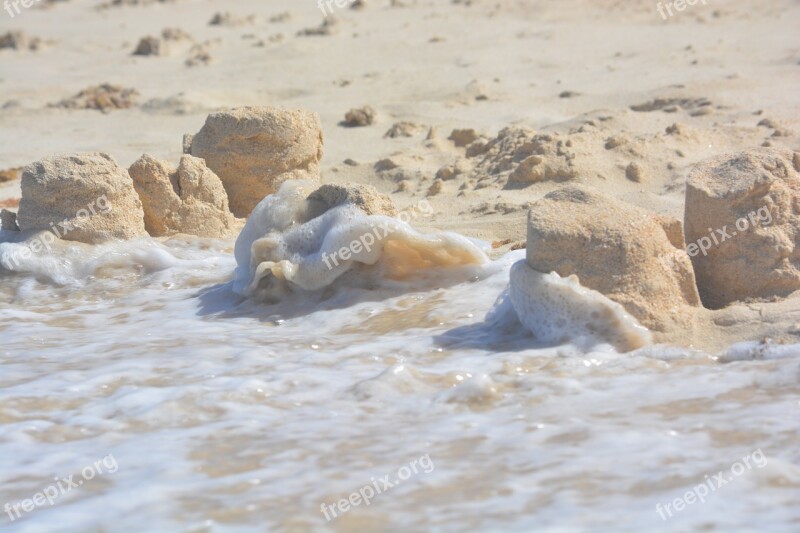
(559,309)
(70,263)
(281,249)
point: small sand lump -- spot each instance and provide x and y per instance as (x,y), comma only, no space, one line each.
(363,116)
(150,46)
(635,172)
(402,129)
(18,40)
(365,197)
(462,138)
(8,220)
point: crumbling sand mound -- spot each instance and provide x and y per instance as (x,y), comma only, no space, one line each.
(150,46)
(360,117)
(175,34)
(403,129)
(105,98)
(189,199)
(525,157)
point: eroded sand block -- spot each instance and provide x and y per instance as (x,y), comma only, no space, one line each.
(255,149)
(189,199)
(743,226)
(84,197)
(617,249)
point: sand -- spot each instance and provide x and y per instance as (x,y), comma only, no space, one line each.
(634,99)
(229,415)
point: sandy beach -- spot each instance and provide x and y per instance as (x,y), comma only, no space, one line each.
(488,119)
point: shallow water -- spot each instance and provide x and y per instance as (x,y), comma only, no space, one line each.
(224,415)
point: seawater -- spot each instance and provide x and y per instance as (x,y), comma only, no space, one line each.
(223,414)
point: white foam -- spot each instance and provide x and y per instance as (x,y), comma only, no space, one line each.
(559,310)
(746,351)
(279,249)
(69,262)
(266,420)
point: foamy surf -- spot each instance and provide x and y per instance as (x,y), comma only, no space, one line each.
(281,384)
(339,380)
(282,247)
(69,262)
(226,414)
(560,310)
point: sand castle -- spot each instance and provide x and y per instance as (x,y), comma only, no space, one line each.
(742,209)
(254,150)
(597,269)
(187,199)
(513,256)
(617,249)
(87,198)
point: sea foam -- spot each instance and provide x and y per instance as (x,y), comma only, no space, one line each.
(283,248)
(558,310)
(69,262)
